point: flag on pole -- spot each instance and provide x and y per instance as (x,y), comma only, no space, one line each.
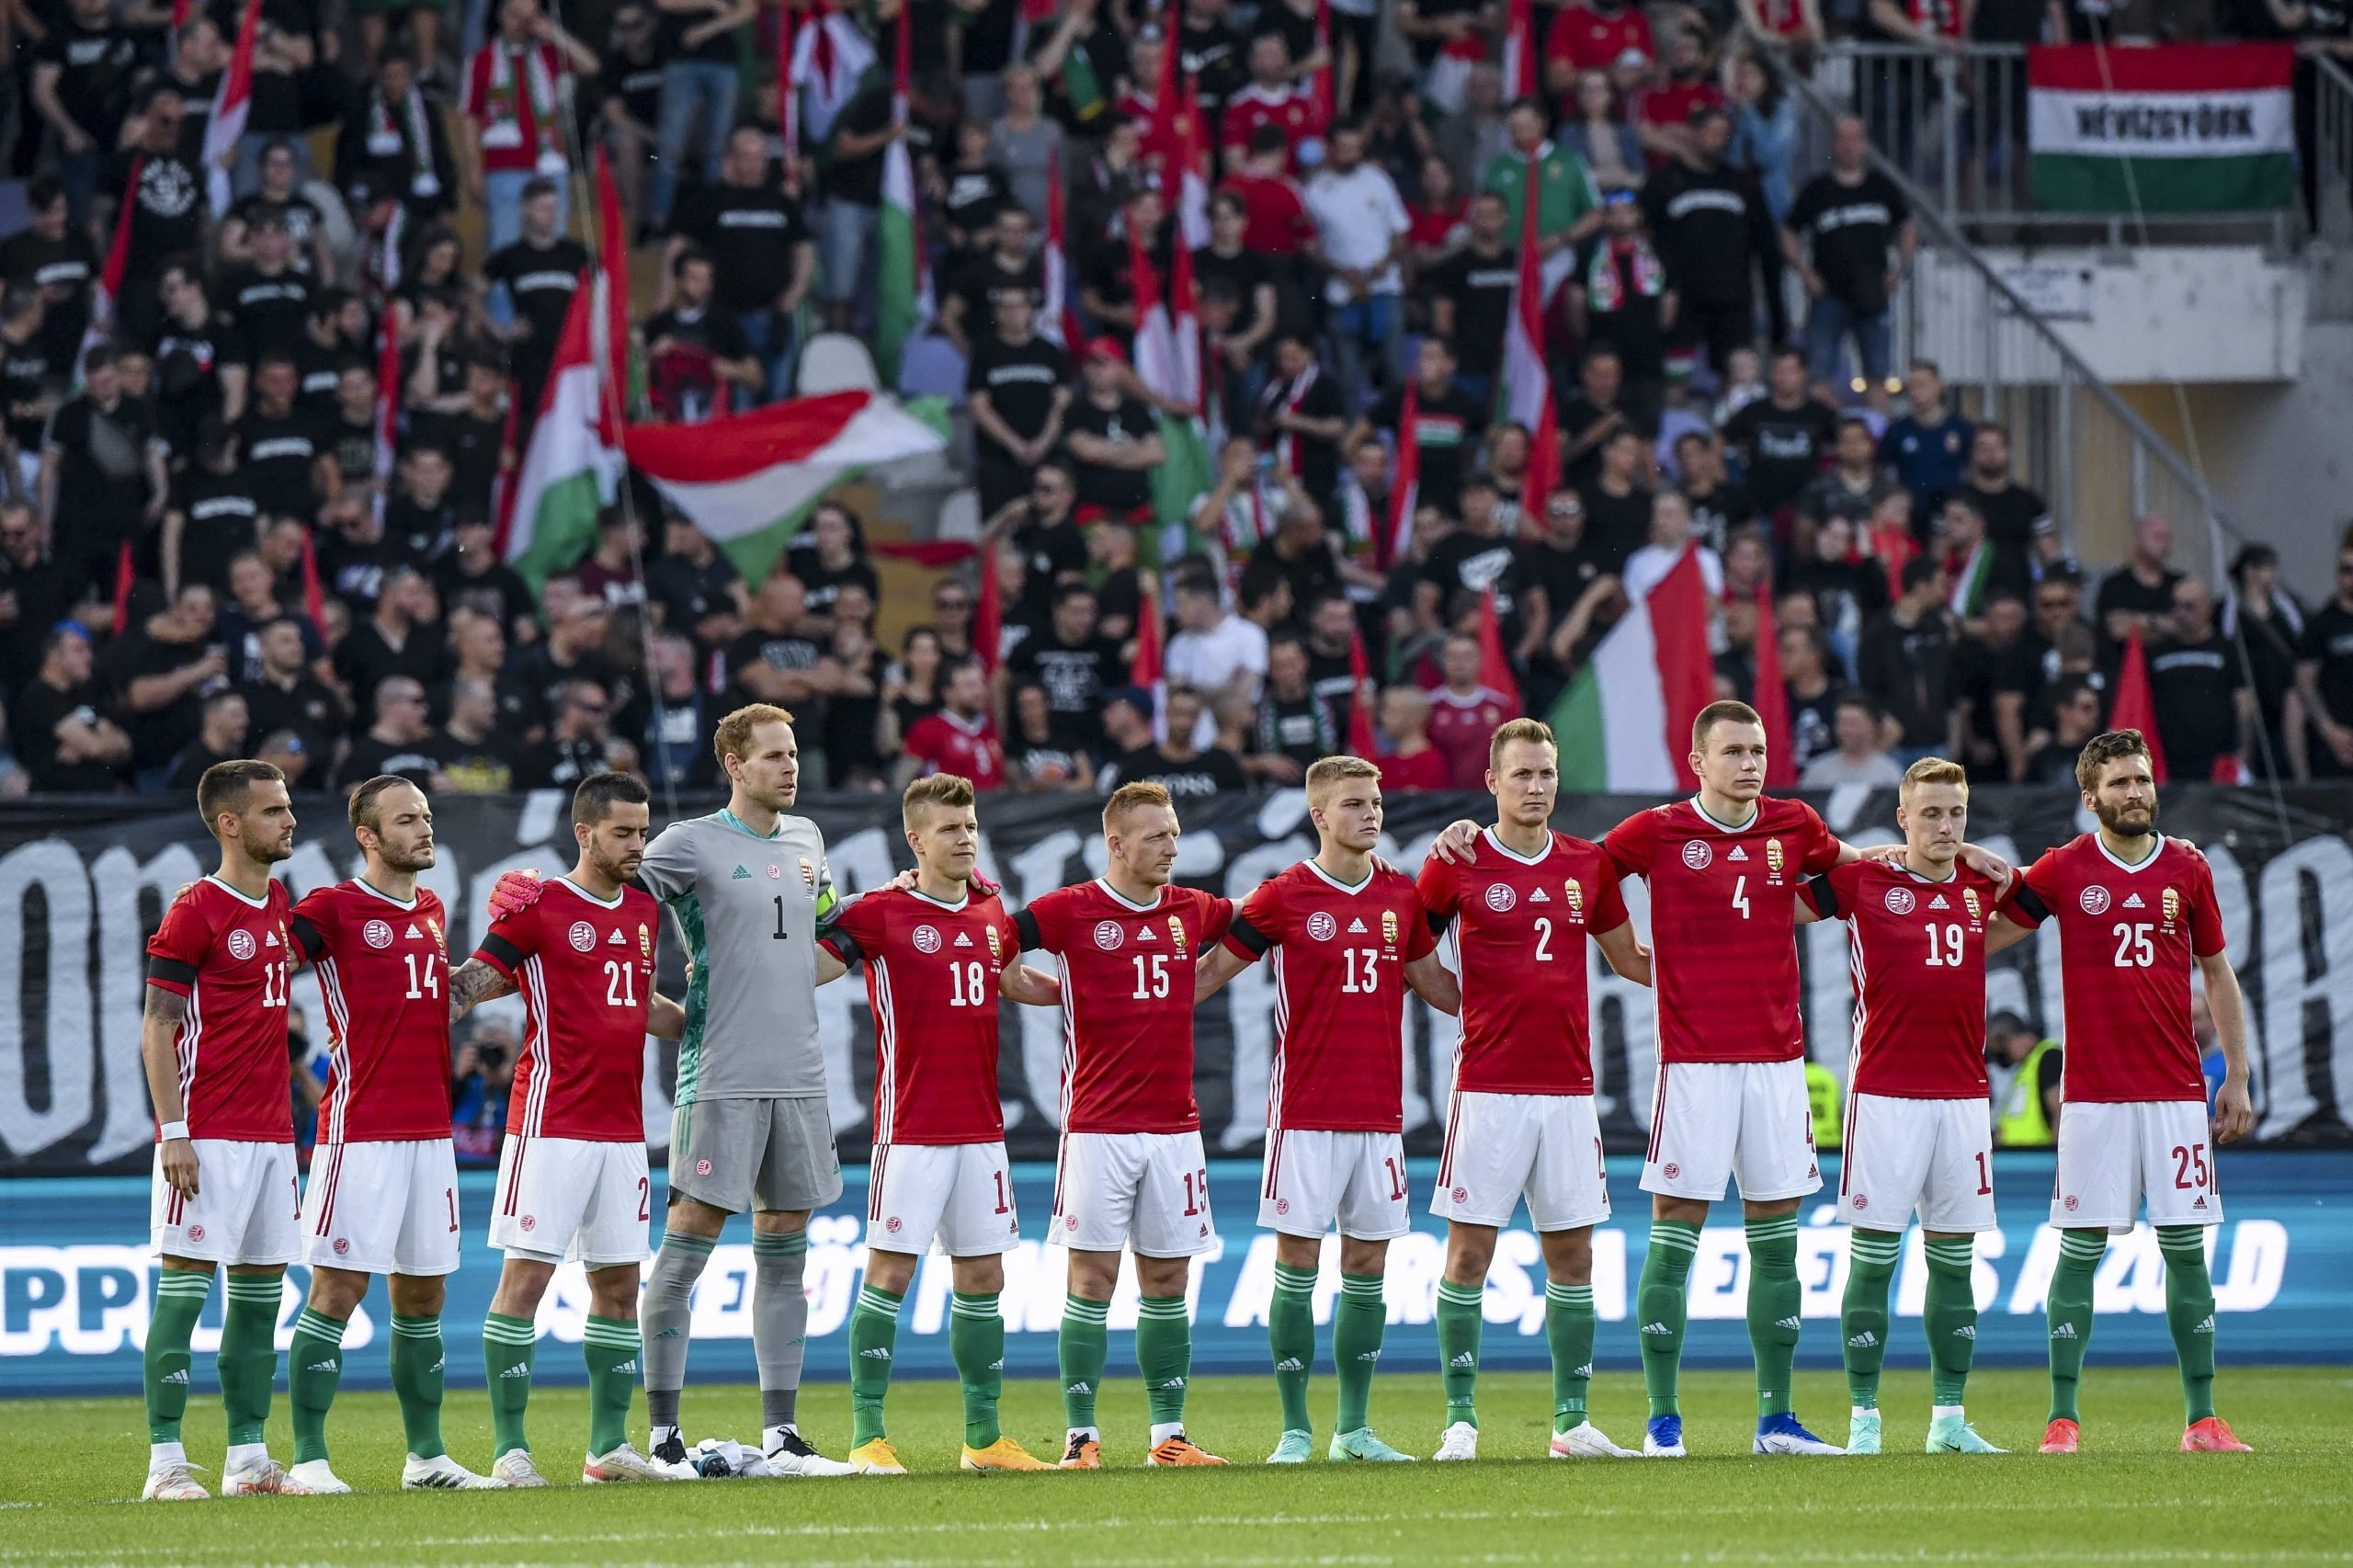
(1360,695)
(1624,725)
(829,58)
(1526,380)
(548,513)
(613,323)
(1168,362)
(314,594)
(2136,706)
(1321,90)
(903,301)
(110,289)
(1060,322)
(788,87)
(988,615)
(1520,52)
(1405,492)
(388,407)
(1146,673)
(749,480)
(1494,664)
(1193,175)
(1772,698)
(1543,475)
(230,104)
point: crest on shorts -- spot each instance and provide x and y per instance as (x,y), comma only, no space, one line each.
(644,939)
(584,936)
(1176,934)
(1389,927)
(2170,902)
(1969,898)
(1574,891)
(1773,856)
(240,945)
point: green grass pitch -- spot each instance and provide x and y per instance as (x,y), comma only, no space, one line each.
(68,1466)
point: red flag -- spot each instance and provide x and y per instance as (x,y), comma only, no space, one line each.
(1520,52)
(388,407)
(787,91)
(232,102)
(1059,316)
(2135,708)
(314,598)
(1360,695)
(1405,494)
(988,625)
(123,580)
(1321,89)
(109,290)
(1543,466)
(1495,665)
(612,260)
(1771,698)
(1146,670)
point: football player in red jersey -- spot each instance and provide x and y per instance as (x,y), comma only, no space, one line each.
(938,956)
(2136,913)
(1917,1135)
(571,1175)
(1521,1118)
(1348,936)
(383,1191)
(214,1043)
(1131,1171)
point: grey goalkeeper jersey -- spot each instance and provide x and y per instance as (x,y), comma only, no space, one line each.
(747,909)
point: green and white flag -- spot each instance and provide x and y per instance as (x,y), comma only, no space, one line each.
(903,294)
(2174,128)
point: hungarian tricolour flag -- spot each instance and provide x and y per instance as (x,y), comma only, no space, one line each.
(1624,726)
(548,513)
(749,480)
(2179,128)
(903,293)
(232,102)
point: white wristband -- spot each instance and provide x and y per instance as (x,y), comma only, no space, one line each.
(174,1129)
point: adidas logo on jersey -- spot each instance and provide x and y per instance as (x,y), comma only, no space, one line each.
(2063,1331)
(741,875)
(1355,927)
(1143,934)
(1465,1359)
(615,941)
(962,941)
(412,931)
(1288,1364)
(519,1370)
(2134,902)
(1657,1328)
(1938,903)
(1540,896)
(1737,854)
(1862,1341)
(270,941)
(2205,1325)
(1785,1323)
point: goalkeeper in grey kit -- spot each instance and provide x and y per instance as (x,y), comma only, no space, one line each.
(747,886)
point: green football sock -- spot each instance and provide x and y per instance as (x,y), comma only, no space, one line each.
(1291,1334)
(2071,1315)
(976,1343)
(1774,1297)
(313,1368)
(612,1349)
(1461,1315)
(1358,1324)
(1862,1315)
(509,1346)
(171,1324)
(419,1359)
(1085,1346)
(1951,1318)
(873,1338)
(248,1357)
(1165,1355)
(1660,1302)
(2189,1313)
(1568,1334)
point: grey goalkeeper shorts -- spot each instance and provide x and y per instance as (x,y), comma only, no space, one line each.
(763,1153)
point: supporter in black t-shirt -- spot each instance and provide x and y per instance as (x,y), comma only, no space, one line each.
(1016,386)
(968,315)
(281,199)
(473,435)
(1471,291)
(1175,765)
(539,273)
(281,444)
(63,726)
(168,209)
(87,64)
(976,193)
(421,513)
(1113,438)
(759,244)
(57,258)
(1446,423)
(696,348)
(1854,221)
(269,298)
(198,355)
(213,516)
(1075,665)
(161,670)
(2198,688)
(1783,439)
(29,384)
(1617,504)
(1301,418)
(101,450)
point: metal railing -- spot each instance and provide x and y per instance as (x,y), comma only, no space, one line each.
(2100,461)
(2331,153)
(1954,121)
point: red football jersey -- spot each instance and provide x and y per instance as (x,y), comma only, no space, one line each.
(1127,975)
(1289,109)
(1519,928)
(931,975)
(1591,40)
(1462,730)
(1917,949)
(227,954)
(2127,936)
(586,970)
(945,744)
(1339,994)
(1723,924)
(384,969)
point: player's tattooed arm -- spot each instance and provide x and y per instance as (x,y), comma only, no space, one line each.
(1435,984)
(1626,954)
(158,1029)
(474,982)
(1031,988)
(665,1020)
(1221,964)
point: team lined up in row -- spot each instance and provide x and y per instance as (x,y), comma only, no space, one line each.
(1730,874)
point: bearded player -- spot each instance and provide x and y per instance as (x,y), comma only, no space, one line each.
(1347,936)
(572,1177)
(213,1043)
(1131,1172)
(938,956)
(1918,930)
(1520,1121)
(2136,911)
(383,1191)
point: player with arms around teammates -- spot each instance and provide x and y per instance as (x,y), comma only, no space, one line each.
(214,1043)
(2136,912)
(1131,1172)
(1916,1136)
(1348,938)
(747,886)
(572,1177)
(1521,1117)
(938,956)
(383,1191)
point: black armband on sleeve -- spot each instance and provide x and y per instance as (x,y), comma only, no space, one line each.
(306,937)
(171,972)
(508,956)
(1025,931)
(1823,896)
(2030,903)
(843,945)
(1439,923)
(1249,936)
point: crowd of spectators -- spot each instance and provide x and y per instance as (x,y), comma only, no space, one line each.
(187,460)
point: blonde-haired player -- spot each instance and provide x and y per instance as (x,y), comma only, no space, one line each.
(1131,1171)
(1347,936)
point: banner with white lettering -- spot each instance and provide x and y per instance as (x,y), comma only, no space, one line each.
(2177,127)
(81,886)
